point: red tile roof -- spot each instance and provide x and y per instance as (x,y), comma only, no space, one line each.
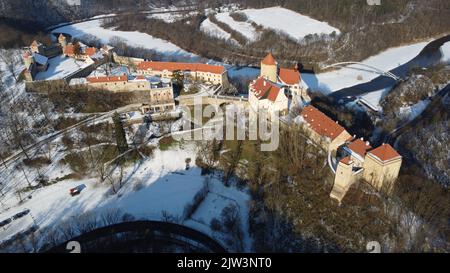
(360,147)
(90,51)
(290,76)
(321,123)
(385,153)
(269,60)
(173,66)
(346,160)
(69,50)
(265,89)
(105,79)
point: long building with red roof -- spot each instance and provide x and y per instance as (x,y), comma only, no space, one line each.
(214,74)
(323,129)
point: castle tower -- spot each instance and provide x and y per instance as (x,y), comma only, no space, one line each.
(343,179)
(62,40)
(269,68)
(382,166)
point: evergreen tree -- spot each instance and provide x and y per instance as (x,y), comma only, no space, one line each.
(121,139)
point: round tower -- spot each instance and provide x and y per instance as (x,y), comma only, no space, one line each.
(269,68)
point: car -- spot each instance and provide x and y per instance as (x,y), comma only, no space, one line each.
(77,190)
(5,222)
(21,214)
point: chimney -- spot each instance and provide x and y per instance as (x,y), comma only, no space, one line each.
(367,143)
(362,138)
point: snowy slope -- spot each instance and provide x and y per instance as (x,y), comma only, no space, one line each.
(214,30)
(292,23)
(133,38)
(245,28)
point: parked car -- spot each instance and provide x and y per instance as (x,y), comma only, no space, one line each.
(21,214)
(77,190)
(5,222)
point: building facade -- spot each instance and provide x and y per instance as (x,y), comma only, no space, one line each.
(323,130)
(213,74)
(379,167)
(276,89)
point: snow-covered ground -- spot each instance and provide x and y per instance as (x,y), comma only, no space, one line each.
(373,99)
(61,67)
(133,38)
(411,112)
(244,28)
(159,185)
(445,49)
(287,21)
(279,19)
(356,74)
(214,30)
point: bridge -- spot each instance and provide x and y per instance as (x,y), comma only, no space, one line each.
(215,100)
(372,69)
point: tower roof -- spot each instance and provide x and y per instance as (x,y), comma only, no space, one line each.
(269,60)
(385,153)
(359,147)
(61,37)
(290,76)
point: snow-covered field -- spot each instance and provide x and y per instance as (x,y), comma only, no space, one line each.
(279,19)
(244,28)
(287,21)
(133,38)
(165,187)
(214,30)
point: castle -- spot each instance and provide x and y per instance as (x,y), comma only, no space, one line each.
(357,158)
(213,74)
(276,87)
(61,60)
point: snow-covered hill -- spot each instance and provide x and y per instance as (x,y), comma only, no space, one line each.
(279,19)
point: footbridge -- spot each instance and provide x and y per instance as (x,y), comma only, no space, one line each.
(365,66)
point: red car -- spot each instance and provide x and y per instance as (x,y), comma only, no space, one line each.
(77,190)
